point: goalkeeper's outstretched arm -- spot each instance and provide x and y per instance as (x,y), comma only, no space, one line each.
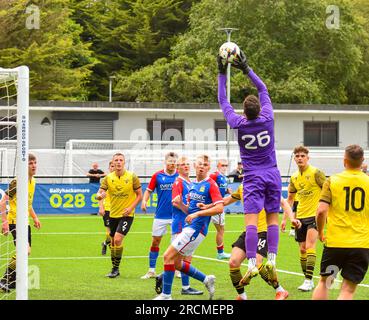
(233,119)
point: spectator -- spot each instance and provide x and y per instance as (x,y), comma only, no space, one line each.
(237,174)
(95,173)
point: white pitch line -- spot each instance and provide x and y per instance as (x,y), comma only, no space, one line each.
(145,257)
(91,217)
(99,233)
(81,258)
(278,270)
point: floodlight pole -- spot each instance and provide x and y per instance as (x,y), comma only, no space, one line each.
(228,31)
(110,87)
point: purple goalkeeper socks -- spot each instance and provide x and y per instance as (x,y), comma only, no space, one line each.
(251,241)
(273,238)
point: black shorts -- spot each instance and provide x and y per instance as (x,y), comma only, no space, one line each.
(13,231)
(120,225)
(106,217)
(353,263)
(306,224)
(262,243)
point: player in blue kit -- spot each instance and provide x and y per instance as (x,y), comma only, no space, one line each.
(181,188)
(162,181)
(262,183)
(203,191)
(221,179)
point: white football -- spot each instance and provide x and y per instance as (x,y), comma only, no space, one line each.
(229,52)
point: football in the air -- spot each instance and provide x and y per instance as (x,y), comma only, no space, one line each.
(229,52)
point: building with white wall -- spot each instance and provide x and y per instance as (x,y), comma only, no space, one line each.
(326,126)
(322,127)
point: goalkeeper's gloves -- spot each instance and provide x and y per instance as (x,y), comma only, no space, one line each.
(222,67)
(241,63)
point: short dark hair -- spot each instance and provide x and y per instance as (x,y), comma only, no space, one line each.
(251,107)
(302,149)
(31,157)
(171,155)
(355,155)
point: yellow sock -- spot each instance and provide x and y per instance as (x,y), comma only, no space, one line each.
(303,257)
(310,263)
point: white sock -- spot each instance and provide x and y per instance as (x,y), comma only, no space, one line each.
(185,287)
(205,280)
(272,257)
(252,263)
(279,289)
(243,296)
(152,270)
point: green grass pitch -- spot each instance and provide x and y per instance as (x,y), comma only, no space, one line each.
(67,252)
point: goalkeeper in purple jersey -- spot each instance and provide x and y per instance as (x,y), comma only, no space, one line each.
(262,181)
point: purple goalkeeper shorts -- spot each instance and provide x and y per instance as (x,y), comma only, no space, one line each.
(262,189)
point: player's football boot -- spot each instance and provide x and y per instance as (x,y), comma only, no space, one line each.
(4,286)
(192,292)
(178,274)
(149,275)
(308,285)
(210,285)
(223,255)
(272,271)
(114,273)
(281,295)
(163,296)
(251,273)
(103,248)
(159,284)
(240,298)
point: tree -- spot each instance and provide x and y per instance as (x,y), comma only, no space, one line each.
(60,63)
(128,35)
(286,42)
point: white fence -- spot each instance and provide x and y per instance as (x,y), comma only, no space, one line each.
(146,157)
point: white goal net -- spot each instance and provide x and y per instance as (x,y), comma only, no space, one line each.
(14,122)
(144,157)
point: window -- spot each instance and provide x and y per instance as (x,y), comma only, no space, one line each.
(321,134)
(166,129)
(220,128)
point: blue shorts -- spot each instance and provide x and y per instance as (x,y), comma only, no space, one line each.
(262,189)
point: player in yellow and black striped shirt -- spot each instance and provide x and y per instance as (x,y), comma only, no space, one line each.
(104,211)
(306,183)
(9,220)
(238,254)
(344,206)
(125,192)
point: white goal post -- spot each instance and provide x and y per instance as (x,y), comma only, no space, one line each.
(19,102)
